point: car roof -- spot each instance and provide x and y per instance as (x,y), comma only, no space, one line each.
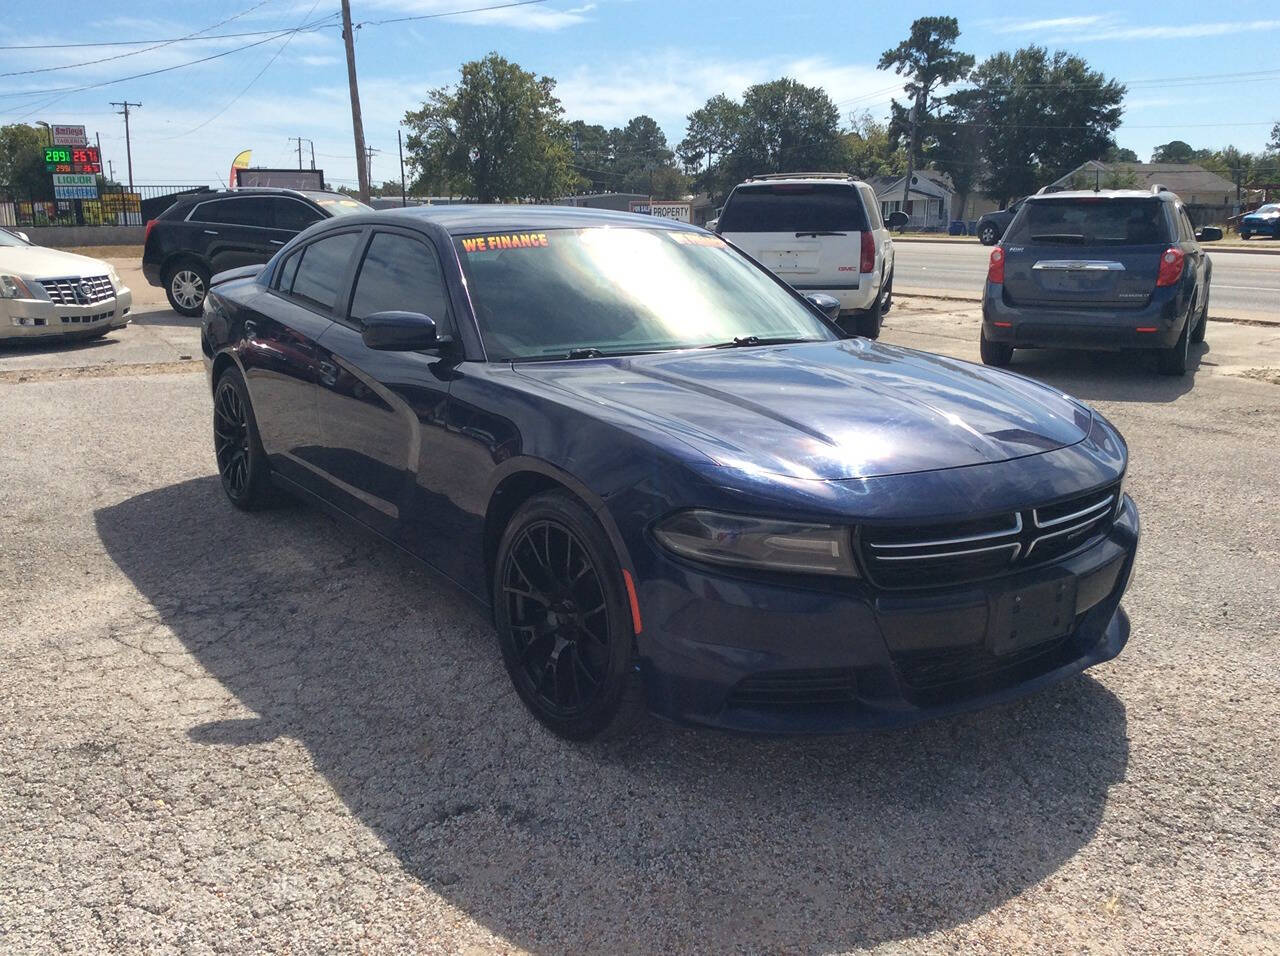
(472,218)
(1104,194)
(256,191)
(834,179)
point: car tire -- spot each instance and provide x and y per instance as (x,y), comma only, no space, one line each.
(564,620)
(868,322)
(186,283)
(987,235)
(237,448)
(886,298)
(995,354)
(1174,360)
(1202,324)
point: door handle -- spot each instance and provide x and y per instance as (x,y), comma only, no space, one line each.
(328,373)
(250,328)
(276,242)
(211,232)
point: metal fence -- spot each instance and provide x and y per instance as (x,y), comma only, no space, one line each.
(115,206)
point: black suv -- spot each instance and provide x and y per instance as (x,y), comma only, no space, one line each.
(1111,269)
(210,232)
(992,226)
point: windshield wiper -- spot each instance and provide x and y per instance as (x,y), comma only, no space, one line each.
(820,232)
(744,341)
(588,352)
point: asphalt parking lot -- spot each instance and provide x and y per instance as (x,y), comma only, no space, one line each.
(225,732)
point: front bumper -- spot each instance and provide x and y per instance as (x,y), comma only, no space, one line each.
(1268,227)
(1116,329)
(744,656)
(25,320)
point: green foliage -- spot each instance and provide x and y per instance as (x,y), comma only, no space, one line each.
(22,162)
(1117,154)
(1038,116)
(497,135)
(870,151)
(1173,152)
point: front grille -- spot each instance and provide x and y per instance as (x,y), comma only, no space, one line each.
(84,291)
(946,553)
(798,688)
(85,319)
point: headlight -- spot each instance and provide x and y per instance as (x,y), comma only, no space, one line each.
(114,276)
(12,287)
(762,543)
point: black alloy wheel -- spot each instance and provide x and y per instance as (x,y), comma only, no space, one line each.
(241,461)
(563,620)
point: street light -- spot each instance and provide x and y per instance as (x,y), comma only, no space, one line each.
(48,127)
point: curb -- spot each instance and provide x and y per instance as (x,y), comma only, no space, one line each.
(1265,321)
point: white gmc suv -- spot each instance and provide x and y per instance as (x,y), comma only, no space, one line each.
(818,232)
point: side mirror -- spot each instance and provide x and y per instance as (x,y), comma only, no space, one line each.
(1209,234)
(713,225)
(828,305)
(898,219)
(23,236)
(402,332)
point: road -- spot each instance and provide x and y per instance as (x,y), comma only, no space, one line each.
(1245,285)
(223,732)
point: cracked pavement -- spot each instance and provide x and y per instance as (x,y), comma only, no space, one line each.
(223,732)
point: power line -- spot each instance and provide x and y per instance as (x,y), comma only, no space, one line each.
(449,13)
(157,46)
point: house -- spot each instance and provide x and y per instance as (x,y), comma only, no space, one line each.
(1208,197)
(928,203)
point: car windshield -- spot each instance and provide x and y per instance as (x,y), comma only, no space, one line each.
(612,291)
(9,239)
(1090,221)
(793,207)
(336,204)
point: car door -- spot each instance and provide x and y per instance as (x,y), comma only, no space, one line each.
(234,231)
(280,352)
(382,414)
(1197,260)
(288,216)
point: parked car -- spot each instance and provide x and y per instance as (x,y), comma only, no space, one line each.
(993,225)
(1111,269)
(820,232)
(1263,221)
(51,294)
(210,232)
(673,481)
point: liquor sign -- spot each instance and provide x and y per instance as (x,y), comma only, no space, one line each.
(72,159)
(69,136)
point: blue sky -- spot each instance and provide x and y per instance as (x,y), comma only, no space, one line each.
(612,59)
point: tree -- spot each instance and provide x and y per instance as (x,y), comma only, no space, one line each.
(22,169)
(929,60)
(712,132)
(496,135)
(1117,154)
(954,147)
(1274,145)
(1038,117)
(639,151)
(1173,152)
(869,149)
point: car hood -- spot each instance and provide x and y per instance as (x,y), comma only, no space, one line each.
(826,410)
(1260,217)
(37,262)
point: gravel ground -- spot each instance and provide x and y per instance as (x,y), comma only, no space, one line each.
(222,732)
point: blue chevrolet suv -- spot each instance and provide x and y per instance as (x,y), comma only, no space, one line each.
(1109,270)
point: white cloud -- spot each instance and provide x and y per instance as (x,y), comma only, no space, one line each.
(1082,29)
(1036,26)
(528,16)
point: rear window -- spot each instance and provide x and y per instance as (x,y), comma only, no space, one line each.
(336,204)
(1090,221)
(794,207)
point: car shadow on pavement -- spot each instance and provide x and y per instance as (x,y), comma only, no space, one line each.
(671,839)
(164,316)
(1108,376)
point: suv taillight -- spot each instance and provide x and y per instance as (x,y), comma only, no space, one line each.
(995,268)
(1171,261)
(868,261)
(147,235)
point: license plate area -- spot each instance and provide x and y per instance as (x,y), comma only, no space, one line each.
(1032,615)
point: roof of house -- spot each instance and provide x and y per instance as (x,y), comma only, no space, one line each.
(939,179)
(1186,179)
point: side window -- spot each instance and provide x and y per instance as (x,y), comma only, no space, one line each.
(286,272)
(872,207)
(400,274)
(292,214)
(323,267)
(1187,227)
(232,212)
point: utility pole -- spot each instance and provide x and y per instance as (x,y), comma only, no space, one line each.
(357,124)
(298,140)
(368,168)
(128,148)
(313,154)
(911,153)
(404,194)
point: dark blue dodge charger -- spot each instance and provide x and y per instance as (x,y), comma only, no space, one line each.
(674,481)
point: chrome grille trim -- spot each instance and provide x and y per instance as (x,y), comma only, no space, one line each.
(1059,533)
(944,542)
(66,291)
(1099,506)
(932,555)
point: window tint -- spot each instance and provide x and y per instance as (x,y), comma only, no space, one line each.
(1090,221)
(400,274)
(794,207)
(291,214)
(324,266)
(286,272)
(1188,230)
(872,208)
(233,212)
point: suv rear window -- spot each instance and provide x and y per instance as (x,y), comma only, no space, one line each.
(794,207)
(1086,221)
